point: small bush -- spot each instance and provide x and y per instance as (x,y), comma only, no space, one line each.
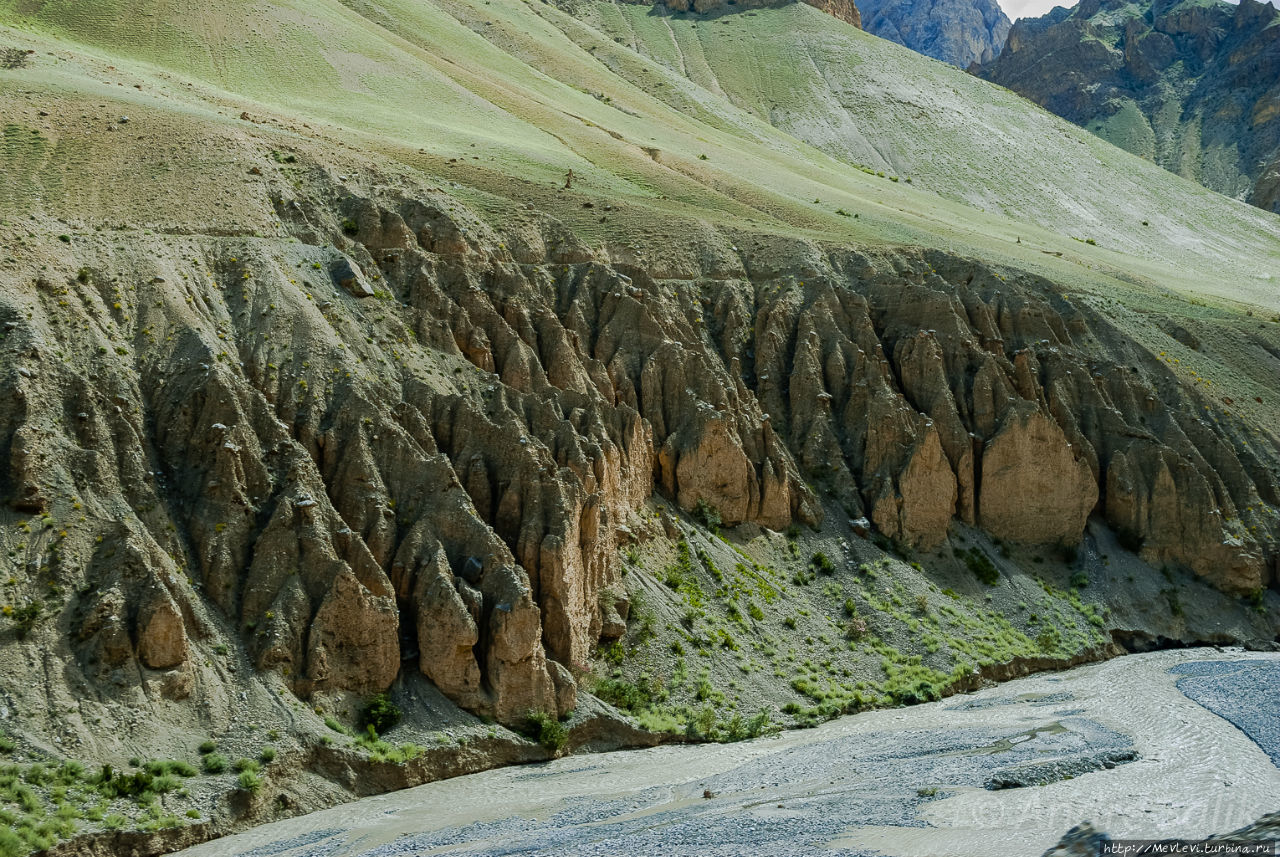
(214,763)
(13,58)
(25,617)
(707,515)
(243,765)
(169,767)
(614,653)
(336,726)
(249,781)
(822,563)
(981,566)
(267,755)
(546,730)
(855,628)
(207,746)
(349,227)
(380,713)
(1079,580)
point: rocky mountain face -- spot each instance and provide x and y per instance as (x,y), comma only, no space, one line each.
(960,32)
(1191,85)
(409,438)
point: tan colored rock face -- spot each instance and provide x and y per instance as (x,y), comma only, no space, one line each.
(714,470)
(1034,489)
(353,643)
(162,640)
(1165,503)
(448,631)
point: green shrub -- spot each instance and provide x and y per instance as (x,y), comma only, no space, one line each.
(164,784)
(822,563)
(11,844)
(207,746)
(336,726)
(1049,639)
(546,730)
(169,767)
(249,781)
(214,763)
(243,765)
(1079,580)
(624,694)
(267,755)
(981,566)
(380,713)
(707,515)
(25,617)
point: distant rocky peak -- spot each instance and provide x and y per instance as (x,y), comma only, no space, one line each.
(1189,84)
(960,32)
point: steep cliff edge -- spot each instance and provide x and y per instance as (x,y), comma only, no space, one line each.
(1191,86)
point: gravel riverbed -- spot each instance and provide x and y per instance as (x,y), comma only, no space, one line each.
(1154,745)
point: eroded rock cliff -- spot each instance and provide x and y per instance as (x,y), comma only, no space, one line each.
(437,476)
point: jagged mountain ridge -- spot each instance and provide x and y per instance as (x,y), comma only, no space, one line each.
(1191,86)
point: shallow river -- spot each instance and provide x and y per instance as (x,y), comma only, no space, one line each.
(1161,744)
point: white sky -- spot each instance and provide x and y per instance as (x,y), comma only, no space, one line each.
(1016,9)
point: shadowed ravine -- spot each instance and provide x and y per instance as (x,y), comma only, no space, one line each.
(1117,744)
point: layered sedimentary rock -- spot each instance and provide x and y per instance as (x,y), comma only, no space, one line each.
(435,476)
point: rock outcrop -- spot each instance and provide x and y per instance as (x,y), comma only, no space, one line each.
(960,32)
(1191,86)
(436,477)
(845,10)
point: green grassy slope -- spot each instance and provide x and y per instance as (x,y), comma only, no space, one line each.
(673,115)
